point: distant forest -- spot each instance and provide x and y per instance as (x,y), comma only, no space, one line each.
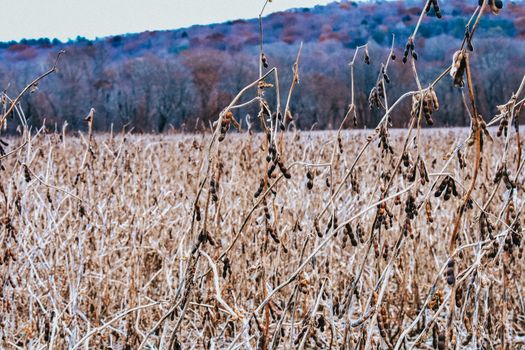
(181,79)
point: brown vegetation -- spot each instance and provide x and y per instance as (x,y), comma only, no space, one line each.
(283,239)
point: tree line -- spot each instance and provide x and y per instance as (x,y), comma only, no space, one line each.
(181,79)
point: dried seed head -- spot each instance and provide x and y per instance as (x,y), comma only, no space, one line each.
(213,190)
(272,234)
(409,49)
(427,106)
(226,267)
(374,98)
(317,228)
(459,62)
(284,170)
(309,175)
(27,175)
(367,57)
(264,85)
(260,189)
(449,272)
(309,184)
(495,5)
(340,144)
(428,211)
(264,60)
(433,4)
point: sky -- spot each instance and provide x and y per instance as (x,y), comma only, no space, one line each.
(65,19)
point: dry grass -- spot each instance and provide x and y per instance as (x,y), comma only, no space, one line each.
(103,271)
(282,239)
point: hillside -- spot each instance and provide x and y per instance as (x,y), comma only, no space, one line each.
(156,79)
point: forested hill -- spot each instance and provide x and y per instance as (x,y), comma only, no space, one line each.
(182,78)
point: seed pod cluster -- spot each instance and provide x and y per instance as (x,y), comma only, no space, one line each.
(355,183)
(484,133)
(385,250)
(225,125)
(513,238)
(461,160)
(9,255)
(340,144)
(2,149)
(437,300)
(503,127)
(412,173)
(495,5)
(377,94)
(321,323)
(382,214)
(503,174)
(468,327)
(266,211)
(449,272)
(301,335)
(277,117)
(259,189)
(27,175)
(265,85)
(275,161)
(493,251)
(284,169)
(407,229)
(297,226)
(459,296)
(448,186)
(459,64)
(485,226)
(409,49)
(280,121)
(204,237)
(264,60)
(428,211)
(272,233)
(331,223)
(310,182)
(213,190)
(359,233)
(226,268)
(382,325)
(405,157)
(410,207)
(423,174)
(386,78)
(383,141)
(429,105)
(317,228)
(349,234)
(434,4)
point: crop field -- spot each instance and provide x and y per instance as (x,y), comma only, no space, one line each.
(253,234)
(104,245)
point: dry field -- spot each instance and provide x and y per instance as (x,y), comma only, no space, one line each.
(376,239)
(102,248)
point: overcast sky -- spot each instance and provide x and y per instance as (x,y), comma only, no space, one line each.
(64,19)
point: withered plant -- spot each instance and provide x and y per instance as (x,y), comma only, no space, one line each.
(282,239)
